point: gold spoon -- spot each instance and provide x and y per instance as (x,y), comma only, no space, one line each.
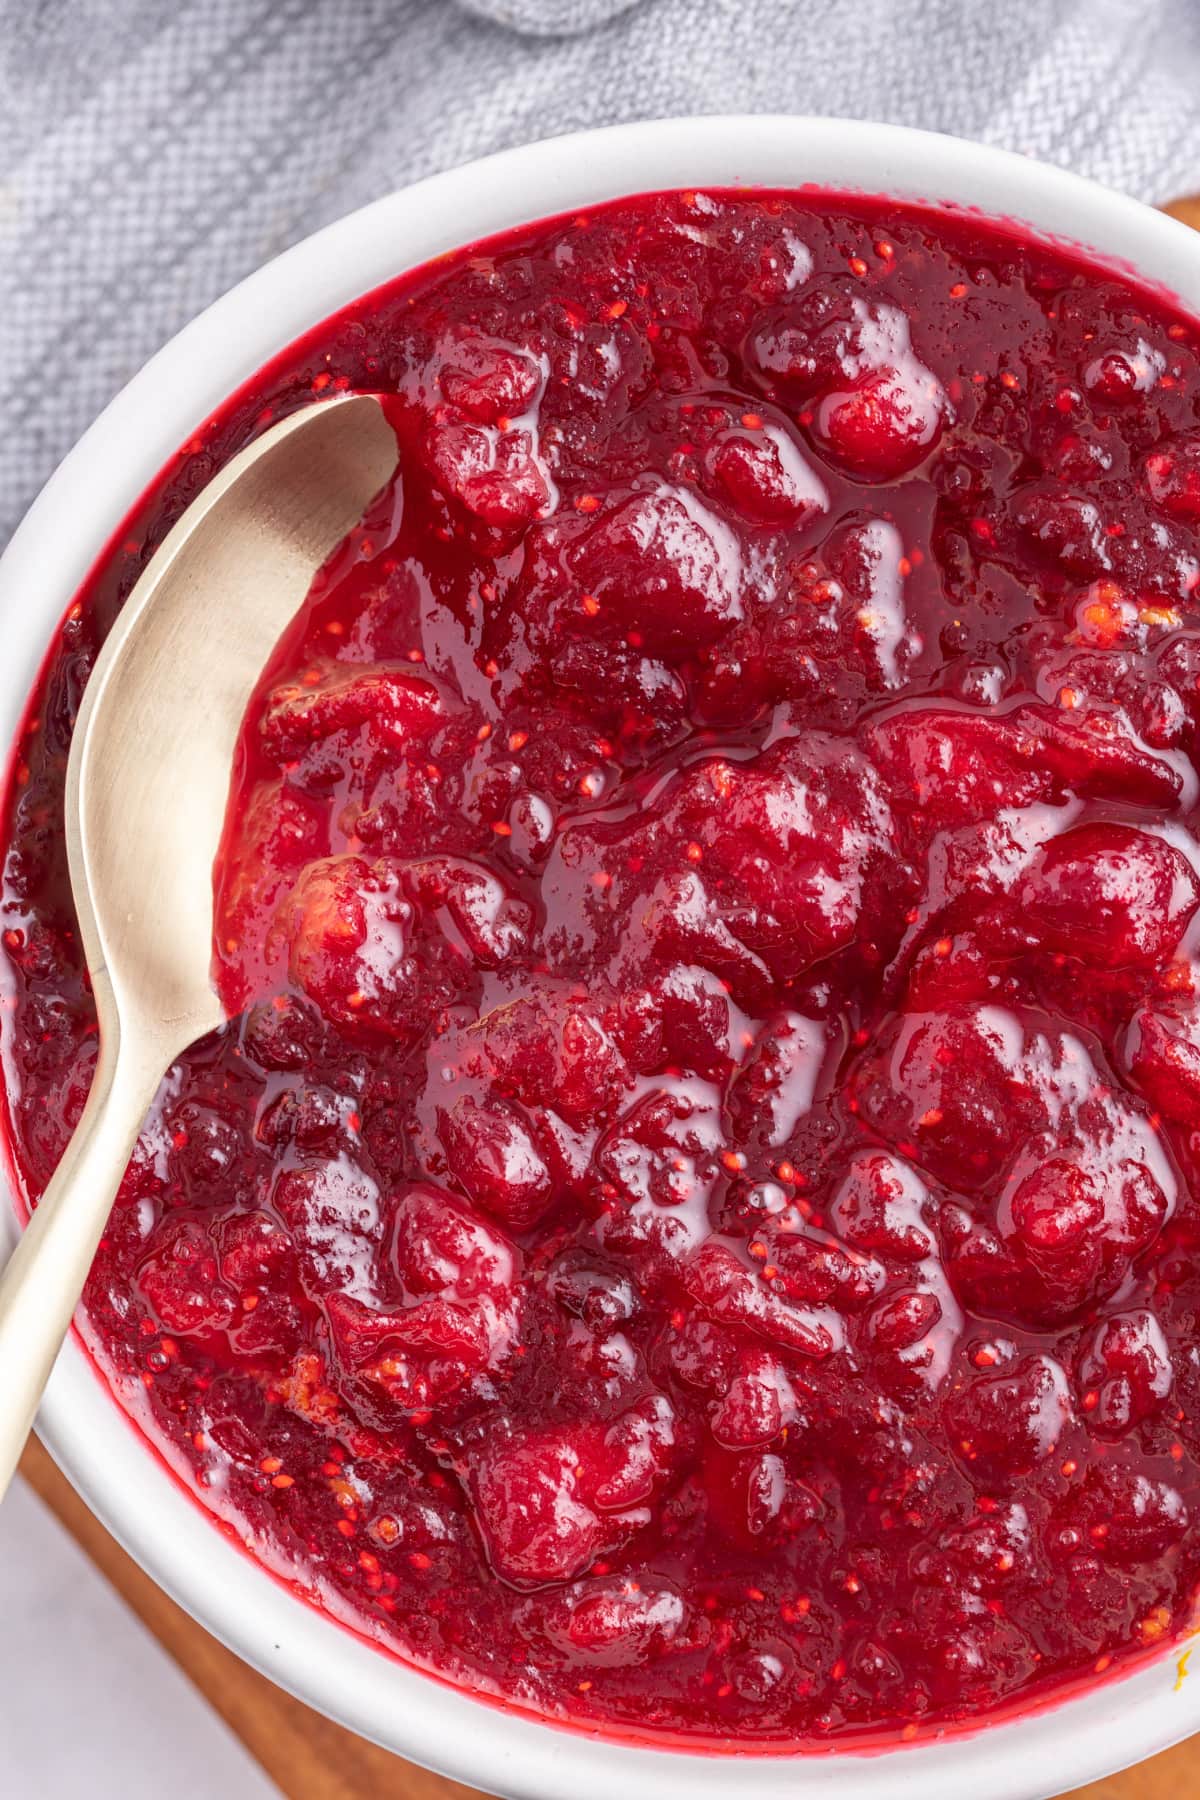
(147,785)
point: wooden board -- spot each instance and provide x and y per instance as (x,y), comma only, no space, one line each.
(308,1756)
(1188,211)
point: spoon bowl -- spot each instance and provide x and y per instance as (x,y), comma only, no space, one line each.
(147,785)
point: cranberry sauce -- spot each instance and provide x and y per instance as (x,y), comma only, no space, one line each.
(692,1225)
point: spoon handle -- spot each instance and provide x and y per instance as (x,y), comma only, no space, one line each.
(43,1279)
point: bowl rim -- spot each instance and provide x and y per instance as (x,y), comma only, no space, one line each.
(123,1480)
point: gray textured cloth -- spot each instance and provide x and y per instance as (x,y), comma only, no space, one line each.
(152,152)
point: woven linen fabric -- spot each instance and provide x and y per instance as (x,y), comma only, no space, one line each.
(152,152)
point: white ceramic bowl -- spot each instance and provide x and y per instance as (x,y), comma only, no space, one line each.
(124,1483)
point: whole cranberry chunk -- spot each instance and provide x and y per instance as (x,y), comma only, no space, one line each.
(396,704)
(615,1622)
(995,1549)
(1162,1053)
(532,1505)
(492,1151)
(884,425)
(1057,1207)
(488,381)
(206,1149)
(766,477)
(1128,1517)
(549,1498)
(635,1453)
(1178,686)
(802,843)
(496,477)
(815,341)
(1094,750)
(312,1118)
(880,1208)
(1068,528)
(446,1308)
(755,1405)
(867,558)
(969,1656)
(255,1251)
(375,960)
(1120,377)
(349,942)
(1126,1372)
(1109,895)
(283,1033)
(957,969)
(664,571)
(590,1290)
(663,1149)
(742,1297)
(1004,1425)
(950,767)
(812,1270)
(332,1213)
(552,1049)
(475,903)
(1080,455)
(681,919)
(282,831)
(776,1085)
(682,1018)
(952,1090)
(181,1280)
(654,1172)
(1070,1176)
(1173,477)
(1076,1220)
(440,1246)
(903,1320)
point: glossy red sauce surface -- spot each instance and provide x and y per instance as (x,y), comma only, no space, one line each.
(693,1226)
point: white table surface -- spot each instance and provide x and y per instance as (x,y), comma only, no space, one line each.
(91,1707)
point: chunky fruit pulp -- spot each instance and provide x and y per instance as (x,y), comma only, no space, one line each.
(691,1226)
